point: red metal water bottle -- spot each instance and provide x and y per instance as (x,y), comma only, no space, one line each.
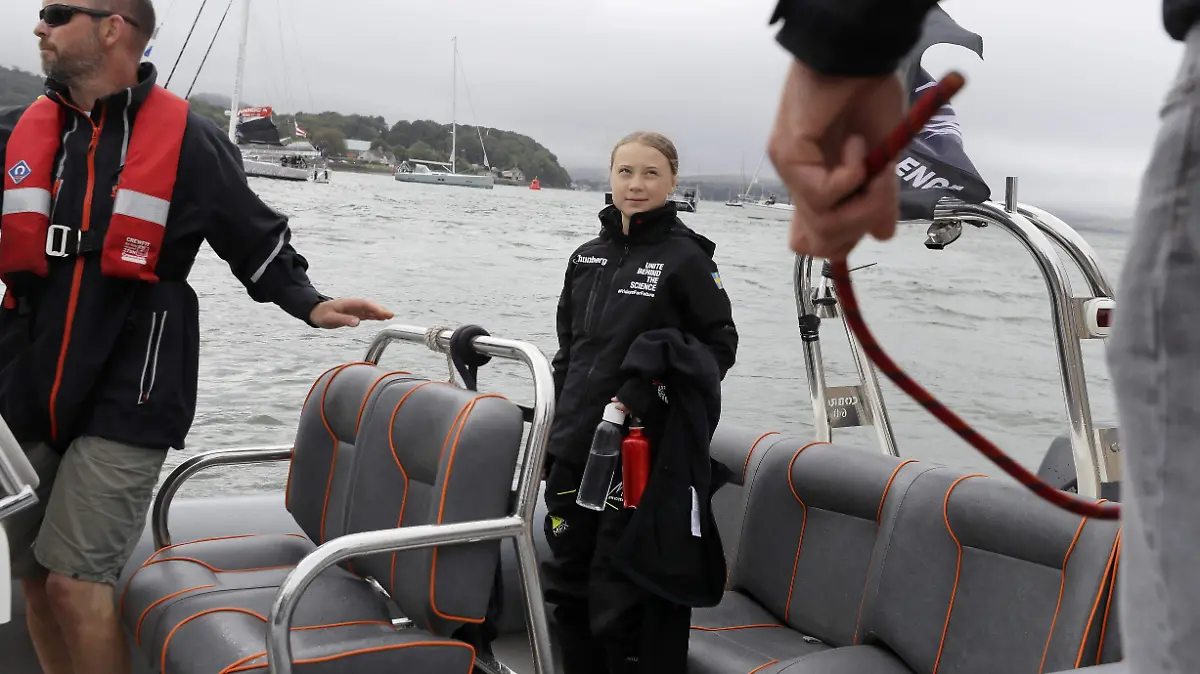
(635,466)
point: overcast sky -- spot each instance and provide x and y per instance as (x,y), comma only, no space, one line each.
(1067,96)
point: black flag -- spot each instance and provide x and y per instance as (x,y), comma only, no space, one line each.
(935,164)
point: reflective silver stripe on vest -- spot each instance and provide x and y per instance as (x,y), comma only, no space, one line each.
(142,207)
(27,200)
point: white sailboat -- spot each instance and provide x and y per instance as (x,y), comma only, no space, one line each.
(255,166)
(419,171)
(766,207)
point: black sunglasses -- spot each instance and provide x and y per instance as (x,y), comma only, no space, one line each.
(59,15)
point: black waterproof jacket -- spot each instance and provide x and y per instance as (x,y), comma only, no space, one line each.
(870,37)
(118,358)
(671,546)
(616,288)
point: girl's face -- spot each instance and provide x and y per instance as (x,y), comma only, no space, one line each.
(641,178)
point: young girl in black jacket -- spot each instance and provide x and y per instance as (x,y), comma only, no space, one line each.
(646,270)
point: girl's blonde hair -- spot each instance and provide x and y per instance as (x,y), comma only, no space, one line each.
(650,139)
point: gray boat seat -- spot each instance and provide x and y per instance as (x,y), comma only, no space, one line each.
(982,577)
(1110,668)
(741,453)
(806,542)
(374,450)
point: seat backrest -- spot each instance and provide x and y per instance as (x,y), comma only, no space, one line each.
(741,452)
(1110,621)
(433,453)
(810,530)
(325,447)
(981,576)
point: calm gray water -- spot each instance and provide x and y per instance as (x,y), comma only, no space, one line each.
(971,323)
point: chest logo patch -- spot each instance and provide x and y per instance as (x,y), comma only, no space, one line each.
(646,281)
(19,172)
(717,279)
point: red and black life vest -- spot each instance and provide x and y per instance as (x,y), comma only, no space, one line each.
(134,235)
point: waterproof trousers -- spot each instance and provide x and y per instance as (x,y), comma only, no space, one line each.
(604,623)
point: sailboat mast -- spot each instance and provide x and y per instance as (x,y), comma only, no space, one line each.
(454,110)
(235,100)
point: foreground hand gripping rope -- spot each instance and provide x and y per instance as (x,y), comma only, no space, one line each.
(880,156)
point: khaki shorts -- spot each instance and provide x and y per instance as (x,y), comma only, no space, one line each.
(91,510)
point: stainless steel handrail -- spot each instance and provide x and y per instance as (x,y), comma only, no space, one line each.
(160,514)
(1076,247)
(517,526)
(283,608)
(24,498)
(814,362)
(18,478)
(815,365)
(1038,232)
(1089,460)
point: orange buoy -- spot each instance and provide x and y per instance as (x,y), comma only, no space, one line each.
(535,185)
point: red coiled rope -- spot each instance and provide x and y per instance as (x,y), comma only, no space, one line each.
(918,116)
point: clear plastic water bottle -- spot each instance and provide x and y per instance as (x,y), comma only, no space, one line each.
(602,460)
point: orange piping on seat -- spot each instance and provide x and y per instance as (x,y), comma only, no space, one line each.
(287,489)
(363,651)
(464,414)
(403,473)
(1112,589)
(1104,581)
(137,633)
(1062,587)
(746,465)
(151,559)
(763,666)
(787,608)
(362,408)
(333,459)
(878,519)
(957,566)
(167,642)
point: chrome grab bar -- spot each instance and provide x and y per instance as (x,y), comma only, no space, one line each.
(1095,450)
(18,479)
(160,513)
(856,405)
(18,501)
(517,526)
(1091,465)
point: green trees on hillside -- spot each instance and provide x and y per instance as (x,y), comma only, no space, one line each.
(420,139)
(18,87)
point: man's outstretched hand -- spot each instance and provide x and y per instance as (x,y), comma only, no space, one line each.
(347,312)
(823,131)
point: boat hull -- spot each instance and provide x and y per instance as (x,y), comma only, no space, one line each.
(768,211)
(262,169)
(486,182)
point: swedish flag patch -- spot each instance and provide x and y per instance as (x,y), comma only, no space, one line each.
(717,279)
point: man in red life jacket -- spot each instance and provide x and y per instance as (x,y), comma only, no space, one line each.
(110,187)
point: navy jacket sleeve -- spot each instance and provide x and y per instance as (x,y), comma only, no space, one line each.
(707,311)
(563,327)
(851,38)
(249,235)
